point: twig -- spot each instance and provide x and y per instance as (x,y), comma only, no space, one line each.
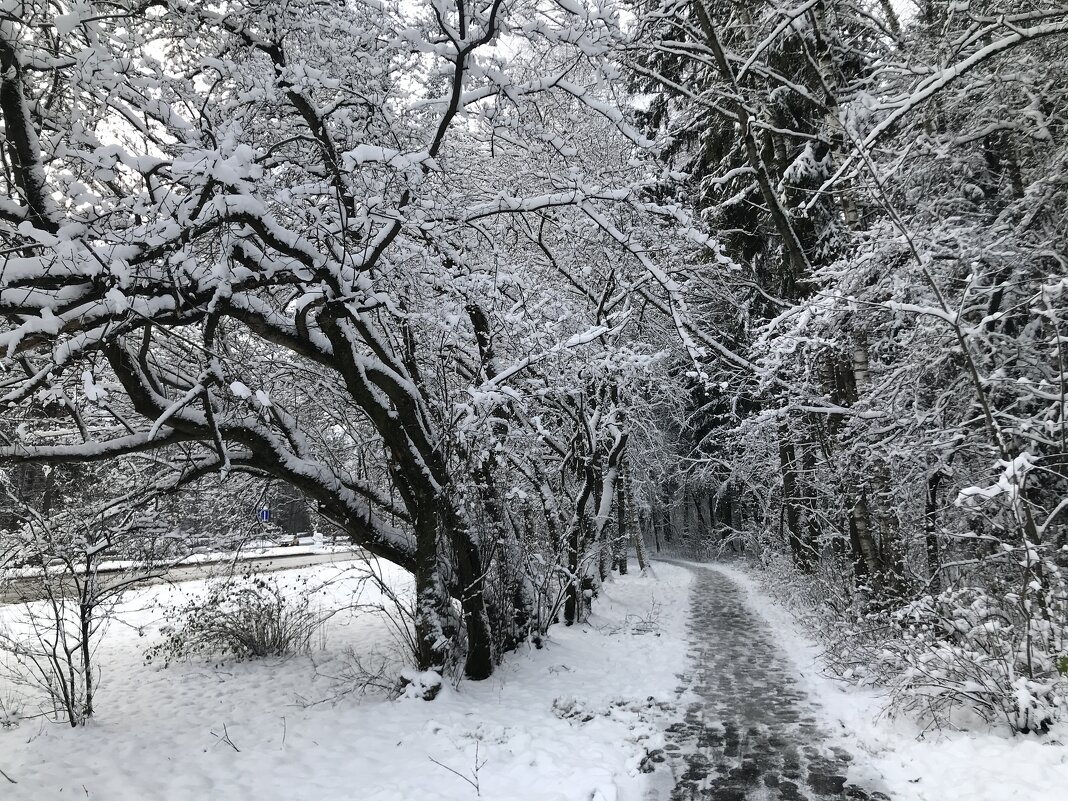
(7,777)
(453,771)
(226,739)
(478,766)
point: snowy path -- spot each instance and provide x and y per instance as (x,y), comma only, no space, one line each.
(753,735)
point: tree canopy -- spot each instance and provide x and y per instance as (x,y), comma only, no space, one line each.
(503,286)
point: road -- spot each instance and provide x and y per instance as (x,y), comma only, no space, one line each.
(27,589)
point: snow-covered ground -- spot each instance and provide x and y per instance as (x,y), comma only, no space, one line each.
(570,721)
(917,766)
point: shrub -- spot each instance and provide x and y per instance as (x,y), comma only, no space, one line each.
(966,648)
(49,651)
(11,710)
(997,652)
(244,619)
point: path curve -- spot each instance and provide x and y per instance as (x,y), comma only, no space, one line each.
(754,734)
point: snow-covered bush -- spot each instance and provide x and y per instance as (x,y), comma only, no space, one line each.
(826,603)
(249,618)
(969,653)
(966,649)
(11,710)
(966,654)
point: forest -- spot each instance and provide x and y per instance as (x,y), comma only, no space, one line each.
(500,292)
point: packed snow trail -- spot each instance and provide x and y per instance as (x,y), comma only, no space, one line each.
(753,736)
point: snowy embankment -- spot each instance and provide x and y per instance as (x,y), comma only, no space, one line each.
(916,765)
(572,720)
(255,551)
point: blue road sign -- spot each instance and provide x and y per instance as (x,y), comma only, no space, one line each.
(265,515)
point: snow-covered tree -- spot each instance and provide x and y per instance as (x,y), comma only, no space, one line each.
(294,240)
(888,185)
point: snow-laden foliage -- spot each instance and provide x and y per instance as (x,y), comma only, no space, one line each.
(501,288)
(891,189)
(404,258)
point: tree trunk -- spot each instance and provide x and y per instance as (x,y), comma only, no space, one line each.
(85,619)
(433,630)
(620,545)
(479,661)
(579,529)
(636,530)
(930,532)
(812,528)
(790,517)
(864,547)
